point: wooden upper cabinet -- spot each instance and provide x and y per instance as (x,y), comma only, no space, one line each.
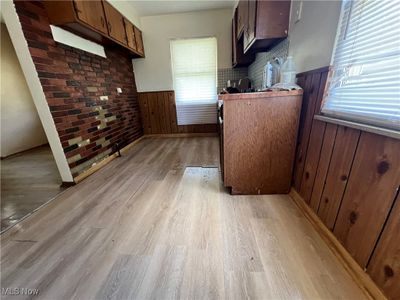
(139,41)
(91,13)
(115,23)
(134,38)
(130,35)
(267,24)
(242,15)
(96,20)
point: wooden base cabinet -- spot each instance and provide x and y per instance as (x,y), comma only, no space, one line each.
(259,141)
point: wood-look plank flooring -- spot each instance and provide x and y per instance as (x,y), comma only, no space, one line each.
(28,180)
(157,224)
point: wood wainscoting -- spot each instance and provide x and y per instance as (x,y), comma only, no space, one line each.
(350,178)
(158,111)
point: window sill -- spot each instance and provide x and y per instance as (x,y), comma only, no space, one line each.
(364,127)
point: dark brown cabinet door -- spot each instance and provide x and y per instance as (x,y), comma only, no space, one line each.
(91,13)
(130,34)
(250,27)
(115,23)
(242,17)
(239,59)
(273,19)
(234,43)
(139,41)
(266,24)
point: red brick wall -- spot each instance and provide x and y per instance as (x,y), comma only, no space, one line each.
(73,80)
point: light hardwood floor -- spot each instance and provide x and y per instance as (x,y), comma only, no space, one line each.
(157,224)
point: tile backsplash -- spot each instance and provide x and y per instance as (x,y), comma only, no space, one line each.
(255,70)
(229,74)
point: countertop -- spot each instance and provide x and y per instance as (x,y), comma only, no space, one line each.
(256,95)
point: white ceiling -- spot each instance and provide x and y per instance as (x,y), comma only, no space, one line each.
(161,7)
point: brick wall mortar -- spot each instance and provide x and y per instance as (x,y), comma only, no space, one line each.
(73,81)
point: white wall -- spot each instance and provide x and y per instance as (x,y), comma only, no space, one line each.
(20,125)
(154,73)
(312,38)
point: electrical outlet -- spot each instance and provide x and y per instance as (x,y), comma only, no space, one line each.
(119,90)
(103,98)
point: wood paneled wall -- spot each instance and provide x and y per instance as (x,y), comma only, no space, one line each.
(351,179)
(158,111)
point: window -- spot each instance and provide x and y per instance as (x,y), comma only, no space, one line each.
(194,68)
(365,84)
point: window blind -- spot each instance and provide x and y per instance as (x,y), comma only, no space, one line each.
(365,83)
(194,68)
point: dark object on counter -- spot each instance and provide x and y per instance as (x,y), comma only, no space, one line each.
(230,90)
(244,84)
(258,141)
(232,83)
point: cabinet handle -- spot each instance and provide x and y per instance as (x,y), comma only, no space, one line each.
(102,22)
(109,26)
